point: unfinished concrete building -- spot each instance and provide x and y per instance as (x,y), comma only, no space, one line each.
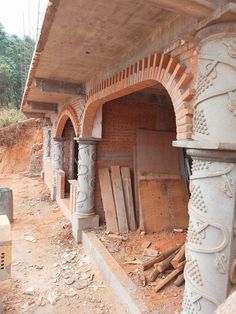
(112,77)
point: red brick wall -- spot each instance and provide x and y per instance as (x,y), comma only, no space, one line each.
(121,118)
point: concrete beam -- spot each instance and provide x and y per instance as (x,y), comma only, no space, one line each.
(195,8)
(59,87)
(34,115)
(42,106)
(117,279)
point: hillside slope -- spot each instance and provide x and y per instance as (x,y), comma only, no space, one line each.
(17,143)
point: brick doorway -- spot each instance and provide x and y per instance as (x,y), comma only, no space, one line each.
(141,126)
(70,163)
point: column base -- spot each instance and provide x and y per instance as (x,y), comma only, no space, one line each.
(82,223)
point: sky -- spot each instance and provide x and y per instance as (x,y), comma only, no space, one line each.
(20,17)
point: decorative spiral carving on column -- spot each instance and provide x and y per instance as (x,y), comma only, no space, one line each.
(193,271)
(82,170)
(228,185)
(197,198)
(205,79)
(197,237)
(86,178)
(220,263)
(232,102)
(231,48)
(191,303)
(199,165)
(200,123)
(81,198)
(213,173)
(204,223)
(94,156)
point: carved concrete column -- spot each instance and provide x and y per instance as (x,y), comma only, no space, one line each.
(71,158)
(58,159)
(85,216)
(211,244)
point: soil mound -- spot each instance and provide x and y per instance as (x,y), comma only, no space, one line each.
(16,142)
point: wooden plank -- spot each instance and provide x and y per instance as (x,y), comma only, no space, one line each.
(128,194)
(119,199)
(180,256)
(136,194)
(153,204)
(179,280)
(163,204)
(177,202)
(162,266)
(168,278)
(108,200)
(159,258)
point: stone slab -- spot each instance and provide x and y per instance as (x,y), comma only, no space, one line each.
(5,228)
(120,283)
(5,248)
(6,202)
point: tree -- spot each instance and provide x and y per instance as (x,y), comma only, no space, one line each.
(15,58)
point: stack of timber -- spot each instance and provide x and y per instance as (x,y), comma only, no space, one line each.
(117,198)
(172,261)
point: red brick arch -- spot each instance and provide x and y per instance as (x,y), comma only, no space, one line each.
(67,113)
(156,68)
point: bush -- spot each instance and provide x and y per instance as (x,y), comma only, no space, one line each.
(10,116)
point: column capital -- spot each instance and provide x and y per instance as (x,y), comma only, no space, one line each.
(205,145)
(225,156)
(220,21)
(87,140)
(215,31)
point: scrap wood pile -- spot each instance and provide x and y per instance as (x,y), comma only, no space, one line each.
(172,262)
(117,198)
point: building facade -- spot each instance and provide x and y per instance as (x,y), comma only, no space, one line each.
(103,70)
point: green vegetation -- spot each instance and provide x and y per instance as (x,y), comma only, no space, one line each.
(15,58)
(9,116)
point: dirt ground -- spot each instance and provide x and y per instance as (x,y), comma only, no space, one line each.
(50,272)
(130,255)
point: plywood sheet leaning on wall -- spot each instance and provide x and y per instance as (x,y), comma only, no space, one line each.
(119,199)
(163,204)
(108,200)
(129,203)
(155,153)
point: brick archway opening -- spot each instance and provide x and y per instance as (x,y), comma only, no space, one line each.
(156,68)
(67,113)
(68,128)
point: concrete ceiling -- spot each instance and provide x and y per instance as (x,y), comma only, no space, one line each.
(87,36)
(80,39)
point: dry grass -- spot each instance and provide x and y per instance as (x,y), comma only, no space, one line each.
(10,116)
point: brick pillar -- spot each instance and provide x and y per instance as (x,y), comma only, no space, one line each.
(85,216)
(58,159)
(211,244)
